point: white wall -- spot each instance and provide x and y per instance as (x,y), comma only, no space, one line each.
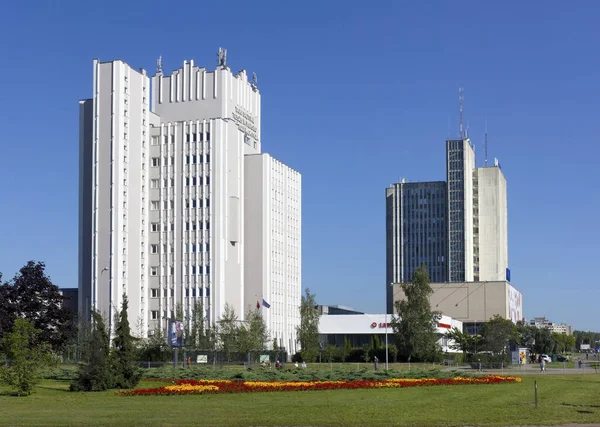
(273,231)
(493,235)
(120,142)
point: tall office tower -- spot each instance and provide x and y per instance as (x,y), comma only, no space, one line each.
(113,190)
(273,230)
(460,167)
(416,232)
(491,257)
(162,190)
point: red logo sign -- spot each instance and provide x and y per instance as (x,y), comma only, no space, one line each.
(381,325)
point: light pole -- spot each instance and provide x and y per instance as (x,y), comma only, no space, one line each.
(386,340)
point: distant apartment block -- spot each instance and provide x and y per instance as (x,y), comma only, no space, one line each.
(542,322)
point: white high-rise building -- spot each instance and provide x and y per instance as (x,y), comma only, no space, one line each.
(163,190)
(491,257)
(273,230)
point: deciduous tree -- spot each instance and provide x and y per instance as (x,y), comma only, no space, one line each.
(26,355)
(497,333)
(415,328)
(308,331)
(32,295)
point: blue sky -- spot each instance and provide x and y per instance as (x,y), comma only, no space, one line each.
(355,96)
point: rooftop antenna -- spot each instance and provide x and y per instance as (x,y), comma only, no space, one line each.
(486,153)
(460,100)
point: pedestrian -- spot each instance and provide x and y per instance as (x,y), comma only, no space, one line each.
(189,361)
(542,364)
(479,365)
(303,365)
(376,362)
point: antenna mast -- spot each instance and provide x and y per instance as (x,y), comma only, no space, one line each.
(460,100)
(486,153)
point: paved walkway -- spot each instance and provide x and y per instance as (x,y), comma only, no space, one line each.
(528,370)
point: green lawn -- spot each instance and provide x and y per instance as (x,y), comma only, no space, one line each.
(562,399)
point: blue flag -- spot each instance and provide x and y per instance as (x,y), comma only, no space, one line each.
(266,304)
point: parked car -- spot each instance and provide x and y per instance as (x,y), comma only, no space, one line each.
(561,358)
(546,358)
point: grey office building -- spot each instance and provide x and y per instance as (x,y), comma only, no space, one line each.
(416,232)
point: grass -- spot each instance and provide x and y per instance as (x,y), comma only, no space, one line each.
(562,399)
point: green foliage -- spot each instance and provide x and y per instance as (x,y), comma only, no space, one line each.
(252,334)
(586,337)
(415,328)
(308,331)
(290,373)
(544,342)
(497,333)
(125,372)
(462,341)
(563,343)
(26,356)
(94,370)
(200,336)
(228,331)
(155,348)
(32,295)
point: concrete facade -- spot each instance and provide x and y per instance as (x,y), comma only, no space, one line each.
(491,257)
(474,302)
(273,231)
(163,192)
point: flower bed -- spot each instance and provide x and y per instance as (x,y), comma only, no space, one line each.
(228,386)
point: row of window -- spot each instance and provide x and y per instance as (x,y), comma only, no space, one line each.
(170,204)
(196,181)
(197,159)
(155,292)
(156,227)
(193,247)
(195,269)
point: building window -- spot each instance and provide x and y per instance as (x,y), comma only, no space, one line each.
(155,205)
(154,293)
(153,249)
(154,314)
(154,227)
(153,271)
(154,140)
(155,161)
(154,183)
(208,158)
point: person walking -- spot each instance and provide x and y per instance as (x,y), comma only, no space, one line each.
(542,364)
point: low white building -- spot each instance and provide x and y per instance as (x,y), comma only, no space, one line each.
(360,329)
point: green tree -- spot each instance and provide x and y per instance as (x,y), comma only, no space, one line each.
(308,331)
(458,340)
(228,331)
(497,333)
(155,348)
(347,349)
(94,369)
(544,342)
(32,295)
(26,356)
(416,326)
(253,334)
(200,334)
(526,335)
(126,373)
